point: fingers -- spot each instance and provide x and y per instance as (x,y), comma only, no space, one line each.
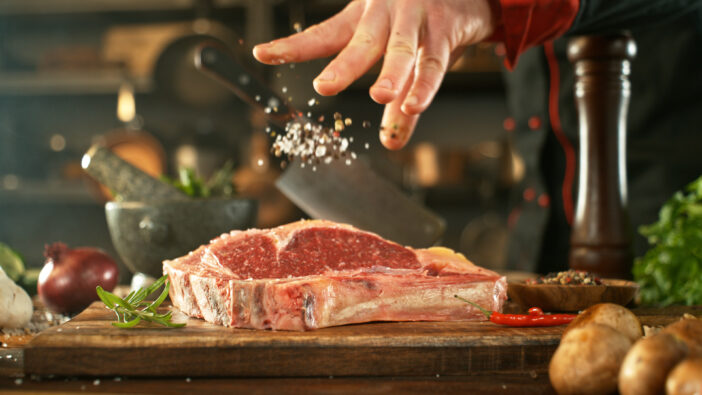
(365,49)
(400,56)
(397,127)
(317,41)
(432,63)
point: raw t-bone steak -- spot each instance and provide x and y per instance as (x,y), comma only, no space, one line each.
(315,274)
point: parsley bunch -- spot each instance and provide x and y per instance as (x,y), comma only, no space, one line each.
(671,271)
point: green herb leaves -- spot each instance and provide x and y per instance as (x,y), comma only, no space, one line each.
(671,271)
(133,309)
(219,185)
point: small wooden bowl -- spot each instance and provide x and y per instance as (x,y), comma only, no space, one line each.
(556,297)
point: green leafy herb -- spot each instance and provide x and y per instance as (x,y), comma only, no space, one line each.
(219,185)
(671,271)
(133,309)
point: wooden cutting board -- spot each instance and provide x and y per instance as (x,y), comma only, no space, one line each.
(89,345)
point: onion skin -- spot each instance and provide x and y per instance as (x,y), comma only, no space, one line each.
(68,279)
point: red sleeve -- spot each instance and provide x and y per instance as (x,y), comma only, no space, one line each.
(523,24)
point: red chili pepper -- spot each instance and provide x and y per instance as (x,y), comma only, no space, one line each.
(536,317)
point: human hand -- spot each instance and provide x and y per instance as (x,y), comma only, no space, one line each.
(420,39)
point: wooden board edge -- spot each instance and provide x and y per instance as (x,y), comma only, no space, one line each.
(287,362)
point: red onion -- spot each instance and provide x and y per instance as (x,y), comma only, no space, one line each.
(68,279)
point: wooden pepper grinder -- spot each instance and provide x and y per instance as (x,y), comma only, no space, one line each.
(601,235)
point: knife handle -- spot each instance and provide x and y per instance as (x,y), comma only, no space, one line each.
(223,65)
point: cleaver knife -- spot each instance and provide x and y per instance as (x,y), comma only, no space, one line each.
(348,193)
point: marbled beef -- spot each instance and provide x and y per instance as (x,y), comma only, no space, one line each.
(315,274)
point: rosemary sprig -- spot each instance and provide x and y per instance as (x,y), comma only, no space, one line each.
(133,309)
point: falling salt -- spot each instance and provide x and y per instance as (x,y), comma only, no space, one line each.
(18,381)
(267,110)
(292,66)
(297,26)
(244,79)
(258,97)
(313,144)
(96,382)
(285,89)
(268,129)
(259,162)
(366,145)
(309,114)
(188,379)
(366,124)
(348,162)
(311,102)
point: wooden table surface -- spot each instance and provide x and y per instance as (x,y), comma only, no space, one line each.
(514,384)
(531,381)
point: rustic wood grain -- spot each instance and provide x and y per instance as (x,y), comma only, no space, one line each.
(512,384)
(89,345)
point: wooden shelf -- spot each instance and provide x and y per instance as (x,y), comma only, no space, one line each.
(24,83)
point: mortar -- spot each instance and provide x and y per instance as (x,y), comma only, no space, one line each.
(146,233)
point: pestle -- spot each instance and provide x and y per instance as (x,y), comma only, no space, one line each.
(601,234)
(124,179)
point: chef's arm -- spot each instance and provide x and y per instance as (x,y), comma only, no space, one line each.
(597,16)
(527,23)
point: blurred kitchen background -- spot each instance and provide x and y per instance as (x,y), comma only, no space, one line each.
(76,72)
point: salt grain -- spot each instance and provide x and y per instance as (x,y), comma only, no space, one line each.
(366,124)
(188,379)
(285,89)
(96,382)
(311,102)
(244,79)
(297,26)
(18,381)
(260,162)
(258,97)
